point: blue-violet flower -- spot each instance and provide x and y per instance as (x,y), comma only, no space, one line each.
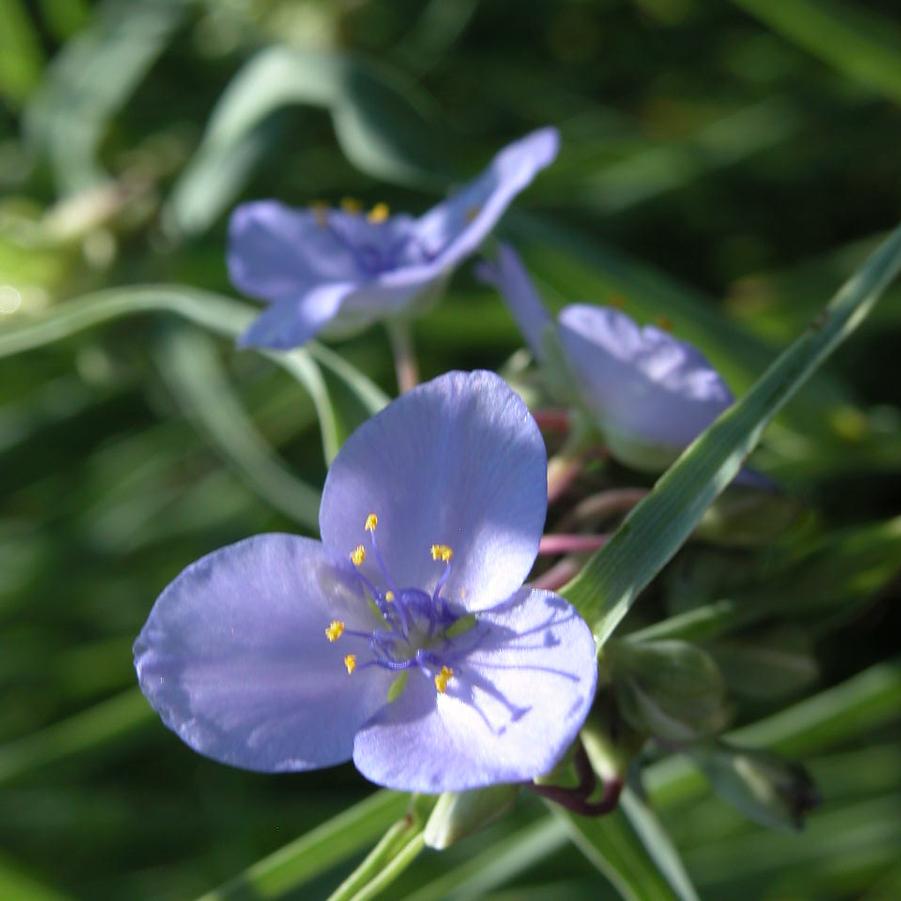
(649,393)
(405,638)
(342,269)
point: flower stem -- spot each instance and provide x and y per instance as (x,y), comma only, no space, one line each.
(405,365)
(552,420)
(597,507)
(566,465)
(571,544)
(558,575)
(577,799)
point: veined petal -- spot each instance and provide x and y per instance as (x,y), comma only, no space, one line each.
(453,229)
(509,276)
(517,698)
(644,386)
(235,660)
(276,253)
(458,461)
(293,321)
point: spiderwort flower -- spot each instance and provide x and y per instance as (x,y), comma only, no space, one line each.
(650,393)
(344,269)
(405,639)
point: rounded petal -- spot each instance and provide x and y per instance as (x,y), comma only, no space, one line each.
(457,461)
(513,706)
(234,657)
(277,254)
(509,276)
(644,386)
(452,230)
(294,321)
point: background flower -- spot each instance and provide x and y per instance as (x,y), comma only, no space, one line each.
(650,393)
(344,269)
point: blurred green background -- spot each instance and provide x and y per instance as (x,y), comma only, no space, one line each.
(724,166)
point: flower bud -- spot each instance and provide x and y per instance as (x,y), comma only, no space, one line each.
(764,787)
(458,814)
(669,689)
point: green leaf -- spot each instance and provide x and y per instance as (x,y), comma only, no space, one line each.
(378,118)
(612,845)
(846,35)
(210,311)
(652,533)
(115,719)
(91,79)
(189,363)
(869,700)
(20,53)
(291,867)
(658,844)
(396,850)
(495,866)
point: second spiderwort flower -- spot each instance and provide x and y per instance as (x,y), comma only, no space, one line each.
(341,269)
(650,393)
(405,639)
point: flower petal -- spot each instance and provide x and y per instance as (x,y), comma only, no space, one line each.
(513,706)
(453,229)
(293,321)
(509,276)
(457,461)
(234,658)
(643,384)
(276,253)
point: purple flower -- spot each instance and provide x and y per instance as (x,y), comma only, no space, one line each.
(649,393)
(342,269)
(405,639)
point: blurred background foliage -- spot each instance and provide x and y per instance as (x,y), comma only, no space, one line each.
(724,166)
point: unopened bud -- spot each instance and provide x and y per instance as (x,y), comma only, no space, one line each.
(458,814)
(764,787)
(668,689)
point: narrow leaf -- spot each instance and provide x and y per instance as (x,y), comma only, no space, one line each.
(291,867)
(214,312)
(607,586)
(189,363)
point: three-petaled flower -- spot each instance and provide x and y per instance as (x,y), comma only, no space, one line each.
(405,639)
(343,269)
(650,393)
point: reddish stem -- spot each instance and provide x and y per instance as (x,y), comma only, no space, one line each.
(558,575)
(552,420)
(571,544)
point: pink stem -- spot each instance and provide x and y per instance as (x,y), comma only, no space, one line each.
(552,420)
(405,365)
(603,505)
(562,471)
(558,575)
(570,544)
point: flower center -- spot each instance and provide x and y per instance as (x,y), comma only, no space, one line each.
(418,628)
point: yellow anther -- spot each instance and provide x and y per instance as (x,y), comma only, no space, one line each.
(472,212)
(358,555)
(442,552)
(371,522)
(335,630)
(320,213)
(350,663)
(379,213)
(351,205)
(389,597)
(442,679)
